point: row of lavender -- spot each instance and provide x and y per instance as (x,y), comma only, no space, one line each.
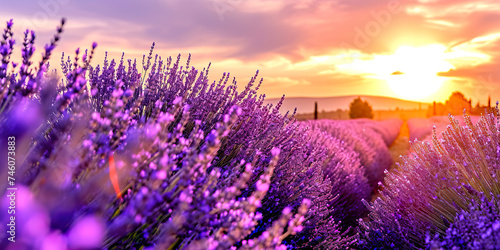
(120,156)
(367,139)
(446,194)
(422,129)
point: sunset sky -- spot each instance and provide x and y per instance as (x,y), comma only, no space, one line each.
(417,50)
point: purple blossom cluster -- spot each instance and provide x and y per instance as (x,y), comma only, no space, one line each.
(476,228)
(439,190)
(122,156)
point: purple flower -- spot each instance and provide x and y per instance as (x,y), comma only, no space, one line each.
(86,233)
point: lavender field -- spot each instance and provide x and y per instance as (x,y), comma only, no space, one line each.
(152,154)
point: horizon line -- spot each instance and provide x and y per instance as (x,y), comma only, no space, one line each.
(324,97)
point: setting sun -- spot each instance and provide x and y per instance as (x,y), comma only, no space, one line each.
(415,75)
(411,72)
(414,86)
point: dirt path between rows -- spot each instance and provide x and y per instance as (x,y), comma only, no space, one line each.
(399,147)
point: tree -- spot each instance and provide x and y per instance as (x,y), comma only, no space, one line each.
(360,109)
(456,104)
(315,110)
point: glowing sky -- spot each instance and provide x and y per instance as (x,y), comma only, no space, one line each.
(405,49)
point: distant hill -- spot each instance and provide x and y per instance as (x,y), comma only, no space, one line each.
(306,104)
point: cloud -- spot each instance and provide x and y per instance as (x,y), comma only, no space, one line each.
(289,40)
(284,81)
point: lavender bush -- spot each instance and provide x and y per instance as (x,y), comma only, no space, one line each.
(436,182)
(369,144)
(389,129)
(421,129)
(347,175)
(115,130)
(477,228)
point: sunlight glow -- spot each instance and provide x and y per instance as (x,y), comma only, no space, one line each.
(418,68)
(411,72)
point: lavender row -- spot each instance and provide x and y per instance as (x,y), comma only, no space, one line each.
(421,129)
(368,139)
(444,195)
(389,129)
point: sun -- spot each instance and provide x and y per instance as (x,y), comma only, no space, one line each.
(415,71)
(413,86)
(410,72)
